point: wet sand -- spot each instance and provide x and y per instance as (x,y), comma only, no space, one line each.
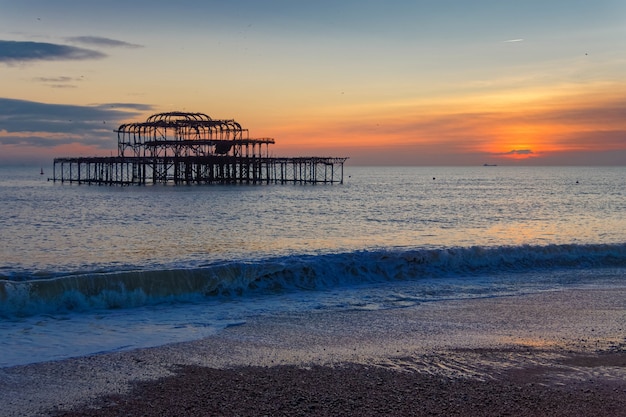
(560,353)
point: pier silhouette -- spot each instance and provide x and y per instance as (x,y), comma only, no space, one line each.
(193,148)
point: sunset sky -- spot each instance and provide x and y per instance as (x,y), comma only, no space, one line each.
(422,82)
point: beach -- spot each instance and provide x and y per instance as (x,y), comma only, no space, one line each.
(557,353)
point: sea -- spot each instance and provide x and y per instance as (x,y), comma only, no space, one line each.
(88,269)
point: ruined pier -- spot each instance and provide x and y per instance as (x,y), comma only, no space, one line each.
(192,148)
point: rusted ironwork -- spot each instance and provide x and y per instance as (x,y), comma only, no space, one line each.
(180,147)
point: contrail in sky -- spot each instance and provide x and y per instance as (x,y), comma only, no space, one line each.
(514,40)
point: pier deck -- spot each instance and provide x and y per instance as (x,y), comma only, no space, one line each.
(198,170)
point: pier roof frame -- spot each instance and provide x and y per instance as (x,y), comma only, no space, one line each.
(183,133)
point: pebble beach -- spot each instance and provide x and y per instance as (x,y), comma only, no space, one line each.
(556,353)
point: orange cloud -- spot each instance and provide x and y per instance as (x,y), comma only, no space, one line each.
(517,127)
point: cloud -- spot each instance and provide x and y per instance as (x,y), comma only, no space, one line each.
(55,79)
(20,51)
(589,139)
(59,82)
(516,152)
(514,40)
(605,114)
(103,42)
(29,123)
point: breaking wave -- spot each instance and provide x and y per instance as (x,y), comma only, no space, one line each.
(26,296)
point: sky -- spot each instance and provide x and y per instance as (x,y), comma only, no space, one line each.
(422,82)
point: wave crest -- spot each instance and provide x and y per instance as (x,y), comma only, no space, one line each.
(126,289)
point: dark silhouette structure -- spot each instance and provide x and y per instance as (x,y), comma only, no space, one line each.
(187,148)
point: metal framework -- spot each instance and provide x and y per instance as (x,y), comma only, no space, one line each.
(188,148)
